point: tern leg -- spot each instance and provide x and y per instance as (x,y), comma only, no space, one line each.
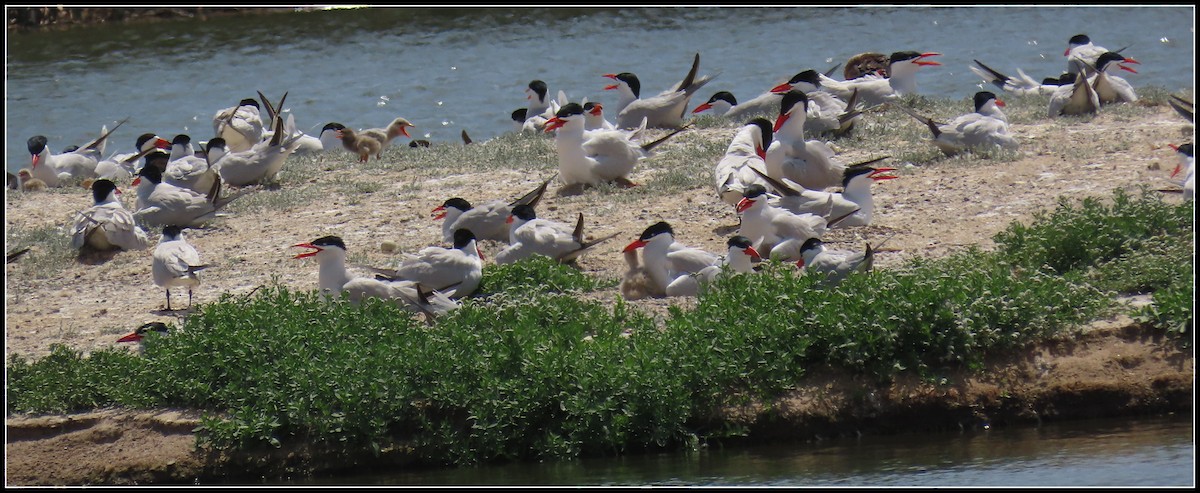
(168,299)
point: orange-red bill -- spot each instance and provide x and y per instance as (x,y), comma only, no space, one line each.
(316,249)
(634,245)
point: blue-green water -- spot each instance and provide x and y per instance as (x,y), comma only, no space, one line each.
(453,69)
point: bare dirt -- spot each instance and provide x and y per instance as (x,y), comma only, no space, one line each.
(1113,368)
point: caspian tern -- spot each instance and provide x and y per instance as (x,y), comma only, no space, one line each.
(241,126)
(530,235)
(667,261)
(140,333)
(1109,87)
(594,117)
(833,266)
(1187,165)
(107,224)
(738,259)
(261,163)
(56,170)
(333,279)
(185,169)
(1078,98)
(599,157)
(748,148)
(488,221)
(454,271)
(1022,84)
(985,128)
(768,225)
(853,206)
(665,110)
(176,263)
(537,94)
(874,90)
(809,163)
(122,167)
(826,112)
(166,204)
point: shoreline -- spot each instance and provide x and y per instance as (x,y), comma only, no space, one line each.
(1115,368)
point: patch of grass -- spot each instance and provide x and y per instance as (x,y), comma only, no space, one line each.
(283,198)
(50,249)
(538,275)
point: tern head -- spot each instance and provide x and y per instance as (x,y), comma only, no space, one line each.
(538,89)
(750,196)
(982,98)
(651,232)
(1107,58)
(788,104)
(331,126)
(594,109)
(249,102)
(876,174)
(453,203)
(808,77)
(560,118)
(319,245)
(518,115)
(725,96)
(1077,41)
(629,79)
(151,173)
(916,58)
(140,333)
(744,244)
(102,189)
(523,212)
(766,131)
(171,232)
(36,145)
(809,245)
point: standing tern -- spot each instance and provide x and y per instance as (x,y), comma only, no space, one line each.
(176,264)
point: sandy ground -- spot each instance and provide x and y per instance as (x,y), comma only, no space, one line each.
(930,211)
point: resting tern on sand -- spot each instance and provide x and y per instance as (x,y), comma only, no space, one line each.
(748,148)
(261,163)
(874,90)
(739,257)
(107,224)
(833,266)
(186,169)
(985,128)
(666,261)
(176,263)
(853,206)
(333,279)
(1078,98)
(665,110)
(1022,84)
(599,157)
(454,271)
(166,204)
(768,225)
(57,170)
(530,235)
(1109,87)
(488,221)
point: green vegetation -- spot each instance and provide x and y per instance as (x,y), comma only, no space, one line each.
(530,369)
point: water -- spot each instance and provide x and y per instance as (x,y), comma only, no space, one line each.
(1105,452)
(453,69)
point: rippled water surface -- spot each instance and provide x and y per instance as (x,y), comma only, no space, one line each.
(1108,452)
(453,69)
